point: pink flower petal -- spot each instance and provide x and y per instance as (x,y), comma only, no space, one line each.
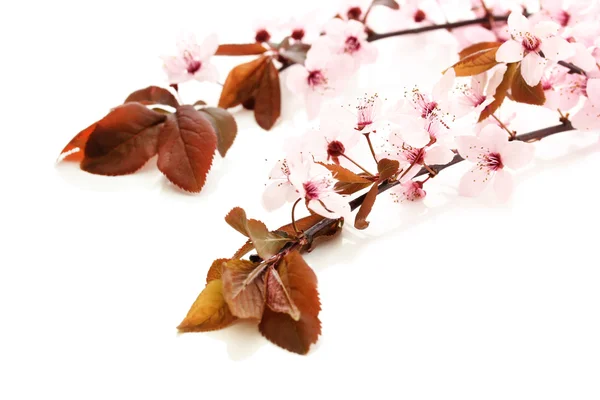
(510,51)
(494,138)
(503,185)
(518,23)
(438,155)
(517,154)
(532,68)
(546,29)
(274,196)
(588,118)
(208,73)
(557,48)
(297,79)
(336,206)
(313,102)
(209,47)
(474,181)
(593,91)
(471,147)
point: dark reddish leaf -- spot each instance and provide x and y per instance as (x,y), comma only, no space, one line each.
(277,297)
(236,218)
(523,93)
(360,222)
(474,48)
(224,125)
(246,49)
(209,312)
(387,3)
(123,141)
(387,168)
(302,224)
(199,103)
(301,284)
(186,148)
(244,288)
(350,188)
(75,148)
(153,95)
(476,63)
(501,92)
(216,269)
(242,82)
(345,175)
(267,106)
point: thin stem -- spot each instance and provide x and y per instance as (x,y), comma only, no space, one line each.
(371,147)
(574,68)
(294,217)
(364,19)
(357,164)
(378,36)
(512,134)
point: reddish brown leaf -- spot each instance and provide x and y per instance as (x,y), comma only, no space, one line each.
(523,93)
(186,148)
(474,48)
(153,95)
(216,269)
(244,288)
(387,168)
(123,141)
(501,92)
(282,329)
(267,106)
(360,222)
(209,312)
(302,224)
(199,103)
(296,52)
(277,296)
(266,243)
(246,49)
(224,125)
(75,148)
(345,175)
(350,188)
(242,82)
(242,251)
(476,63)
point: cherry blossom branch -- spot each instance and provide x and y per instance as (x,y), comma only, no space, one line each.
(451,25)
(354,204)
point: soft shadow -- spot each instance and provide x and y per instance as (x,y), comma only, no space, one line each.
(242,339)
(147,177)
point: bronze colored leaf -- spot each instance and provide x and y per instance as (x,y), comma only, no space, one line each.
(523,93)
(224,125)
(209,312)
(266,243)
(199,103)
(153,95)
(282,329)
(242,251)
(244,288)
(476,63)
(360,222)
(277,297)
(267,102)
(123,141)
(236,218)
(186,147)
(216,269)
(501,92)
(350,188)
(242,82)
(474,48)
(345,175)
(302,224)
(74,150)
(393,4)
(246,49)
(387,168)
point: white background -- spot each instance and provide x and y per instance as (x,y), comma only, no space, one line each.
(462,298)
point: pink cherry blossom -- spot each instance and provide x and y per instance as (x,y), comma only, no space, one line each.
(527,44)
(349,37)
(367,114)
(479,94)
(566,12)
(329,143)
(315,184)
(354,9)
(558,96)
(492,153)
(588,118)
(320,78)
(192,60)
(408,191)
(280,190)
